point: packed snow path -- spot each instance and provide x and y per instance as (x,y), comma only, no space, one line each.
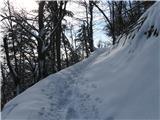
(58,96)
(63,93)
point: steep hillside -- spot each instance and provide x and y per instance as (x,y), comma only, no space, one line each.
(120,83)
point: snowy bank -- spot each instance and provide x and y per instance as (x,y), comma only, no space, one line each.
(118,84)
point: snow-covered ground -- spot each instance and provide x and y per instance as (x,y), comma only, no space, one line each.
(112,84)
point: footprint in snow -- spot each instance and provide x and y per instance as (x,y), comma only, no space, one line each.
(42,111)
(51,109)
(98,100)
(71,114)
(94,86)
(110,118)
(43,90)
(50,97)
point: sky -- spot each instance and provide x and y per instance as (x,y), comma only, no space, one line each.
(99,33)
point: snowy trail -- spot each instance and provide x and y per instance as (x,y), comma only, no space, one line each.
(55,97)
(63,92)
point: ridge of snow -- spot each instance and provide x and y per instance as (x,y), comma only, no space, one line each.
(112,84)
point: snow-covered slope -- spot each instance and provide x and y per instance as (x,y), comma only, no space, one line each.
(112,84)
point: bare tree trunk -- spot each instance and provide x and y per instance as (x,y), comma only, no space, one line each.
(13,72)
(58,36)
(87,32)
(85,40)
(113,24)
(65,49)
(59,32)
(3,84)
(41,54)
(91,27)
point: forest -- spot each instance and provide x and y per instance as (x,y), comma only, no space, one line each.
(41,42)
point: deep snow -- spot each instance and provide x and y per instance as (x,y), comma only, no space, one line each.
(113,83)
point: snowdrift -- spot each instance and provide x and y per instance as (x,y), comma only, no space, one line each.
(112,84)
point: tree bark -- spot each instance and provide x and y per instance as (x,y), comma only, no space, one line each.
(12,71)
(91,26)
(41,53)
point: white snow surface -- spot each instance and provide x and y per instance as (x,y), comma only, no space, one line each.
(119,83)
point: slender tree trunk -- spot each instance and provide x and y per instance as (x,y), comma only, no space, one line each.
(54,11)
(58,36)
(65,49)
(58,47)
(87,32)
(41,54)
(86,42)
(3,84)
(13,72)
(71,33)
(91,27)
(53,55)
(113,24)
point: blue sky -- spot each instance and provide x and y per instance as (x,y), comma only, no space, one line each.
(99,23)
